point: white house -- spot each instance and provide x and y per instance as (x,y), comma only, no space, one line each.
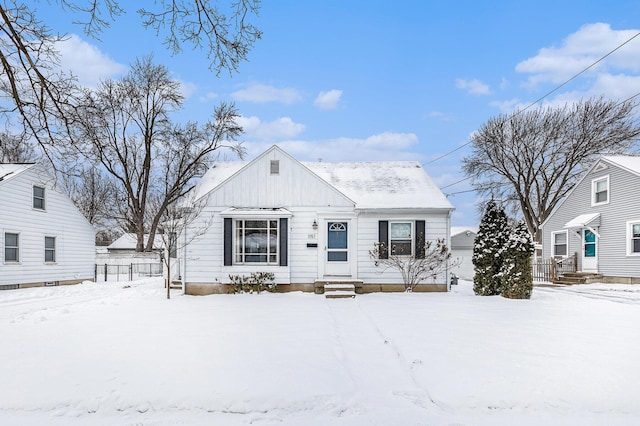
(599,221)
(462,240)
(310,223)
(45,239)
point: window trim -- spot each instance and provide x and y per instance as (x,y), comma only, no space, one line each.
(594,183)
(242,256)
(553,243)
(43,198)
(411,237)
(18,248)
(629,237)
(55,249)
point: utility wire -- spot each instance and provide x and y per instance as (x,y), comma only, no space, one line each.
(544,96)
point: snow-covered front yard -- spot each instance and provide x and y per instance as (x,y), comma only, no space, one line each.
(96,354)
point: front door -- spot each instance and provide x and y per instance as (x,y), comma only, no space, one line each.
(337,252)
(589,251)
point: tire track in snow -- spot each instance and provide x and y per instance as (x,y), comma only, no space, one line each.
(386,371)
(618,296)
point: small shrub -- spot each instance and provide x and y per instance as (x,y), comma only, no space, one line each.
(256,282)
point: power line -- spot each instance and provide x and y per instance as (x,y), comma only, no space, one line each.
(544,96)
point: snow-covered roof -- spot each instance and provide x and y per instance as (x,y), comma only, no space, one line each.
(583,220)
(9,170)
(456,230)
(629,162)
(384,184)
(128,241)
(390,184)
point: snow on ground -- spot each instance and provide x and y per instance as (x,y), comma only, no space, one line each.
(105,353)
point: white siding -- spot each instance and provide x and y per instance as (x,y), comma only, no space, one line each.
(436,226)
(294,185)
(624,205)
(75,249)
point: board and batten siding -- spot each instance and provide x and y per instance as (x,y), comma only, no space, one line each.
(74,235)
(623,206)
(294,185)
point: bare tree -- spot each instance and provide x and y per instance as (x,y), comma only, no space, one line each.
(532,159)
(428,262)
(16,149)
(126,127)
(43,98)
(178,229)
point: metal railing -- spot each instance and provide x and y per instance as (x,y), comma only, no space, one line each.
(110,272)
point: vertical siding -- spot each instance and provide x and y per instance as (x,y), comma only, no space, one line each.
(75,246)
(624,205)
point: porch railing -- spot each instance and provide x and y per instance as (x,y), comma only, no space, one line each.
(551,269)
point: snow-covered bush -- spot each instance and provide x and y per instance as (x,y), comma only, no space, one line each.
(488,246)
(515,274)
(433,259)
(256,282)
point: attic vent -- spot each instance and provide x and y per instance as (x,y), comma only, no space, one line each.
(275,167)
(600,167)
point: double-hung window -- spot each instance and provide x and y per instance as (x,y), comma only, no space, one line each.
(401,241)
(256,241)
(559,241)
(600,191)
(11,247)
(49,249)
(633,238)
(38,197)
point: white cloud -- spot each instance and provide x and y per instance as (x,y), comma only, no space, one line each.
(383,146)
(474,87)
(328,100)
(187,89)
(577,51)
(208,96)
(262,93)
(281,128)
(439,115)
(507,105)
(86,61)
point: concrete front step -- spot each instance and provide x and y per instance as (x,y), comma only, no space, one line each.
(329,285)
(339,294)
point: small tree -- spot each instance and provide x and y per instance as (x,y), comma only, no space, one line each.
(179,228)
(429,261)
(487,250)
(515,274)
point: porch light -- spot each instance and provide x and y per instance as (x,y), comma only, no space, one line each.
(315,225)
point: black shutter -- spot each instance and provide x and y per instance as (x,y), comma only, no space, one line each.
(228,241)
(420,239)
(284,233)
(383,239)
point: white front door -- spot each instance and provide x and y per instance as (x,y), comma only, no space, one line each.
(337,255)
(589,251)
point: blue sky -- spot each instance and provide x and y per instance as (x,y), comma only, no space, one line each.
(380,80)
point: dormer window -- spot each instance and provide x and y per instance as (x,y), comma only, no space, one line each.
(38,197)
(600,191)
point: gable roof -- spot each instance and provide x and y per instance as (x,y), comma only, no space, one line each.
(385,184)
(456,230)
(129,240)
(629,163)
(9,170)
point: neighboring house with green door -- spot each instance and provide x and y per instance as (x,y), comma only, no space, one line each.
(599,221)
(310,222)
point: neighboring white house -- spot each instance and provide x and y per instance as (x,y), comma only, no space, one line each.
(599,221)
(462,239)
(310,223)
(45,239)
